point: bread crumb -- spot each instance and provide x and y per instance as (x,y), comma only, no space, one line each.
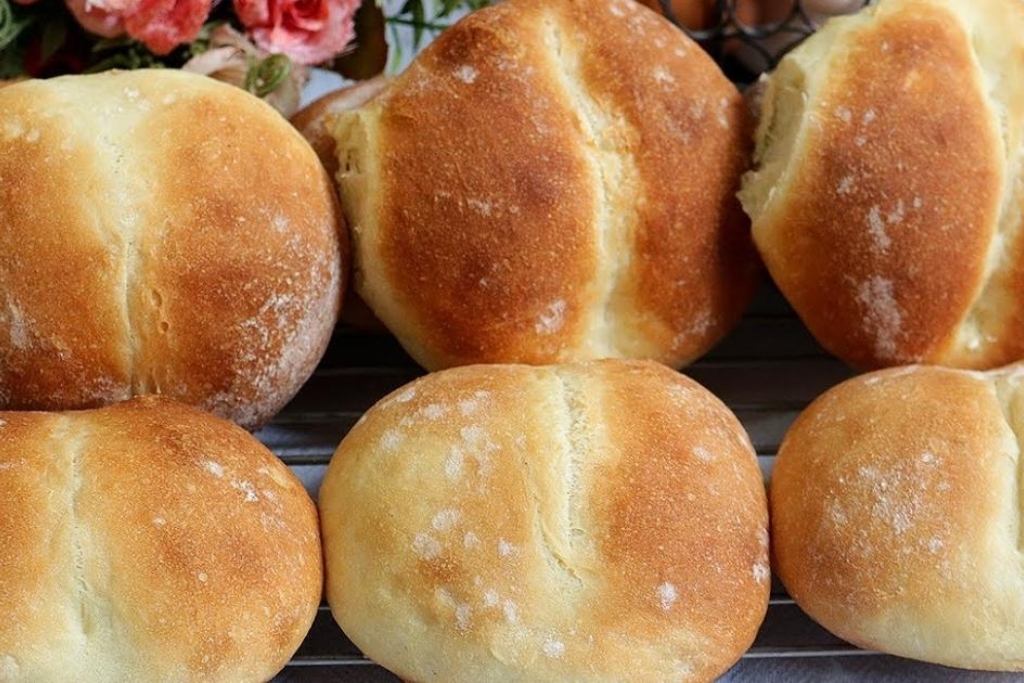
(213,468)
(882,316)
(202,576)
(667,595)
(505,548)
(491,598)
(761,572)
(247,488)
(390,439)
(159,521)
(510,611)
(426,546)
(463,612)
(703,454)
(663,76)
(482,207)
(876,228)
(453,463)
(552,319)
(553,648)
(466,73)
(446,520)
(406,396)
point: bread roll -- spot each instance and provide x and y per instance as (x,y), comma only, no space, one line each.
(888,195)
(551,182)
(896,510)
(149,541)
(311,121)
(160,232)
(595,522)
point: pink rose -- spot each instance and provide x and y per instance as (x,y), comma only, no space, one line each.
(161,25)
(308,31)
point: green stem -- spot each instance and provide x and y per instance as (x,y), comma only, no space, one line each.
(429,25)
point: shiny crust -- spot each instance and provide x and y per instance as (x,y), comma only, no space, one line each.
(150,541)
(160,233)
(594,217)
(887,202)
(895,507)
(598,522)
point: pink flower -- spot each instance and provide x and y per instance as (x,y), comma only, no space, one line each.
(308,31)
(161,25)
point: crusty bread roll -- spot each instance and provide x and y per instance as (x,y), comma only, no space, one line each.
(887,200)
(149,541)
(311,121)
(551,182)
(160,232)
(896,511)
(594,522)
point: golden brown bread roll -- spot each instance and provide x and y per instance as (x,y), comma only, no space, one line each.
(887,200)
(551,182)
(896,508)
(594,522)
(149,541)
(160,232)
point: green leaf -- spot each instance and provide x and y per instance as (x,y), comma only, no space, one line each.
(370,55)
(54,35)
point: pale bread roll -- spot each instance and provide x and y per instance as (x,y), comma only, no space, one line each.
(595,522)
(888,195)
(896,514)
(312,122)
(551,182)
(160,232)
(149,541)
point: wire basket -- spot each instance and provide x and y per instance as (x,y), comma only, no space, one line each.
(749,37)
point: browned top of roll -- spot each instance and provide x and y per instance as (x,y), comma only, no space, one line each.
(160,232)
(888,199)
(896,509)
(603,521)
(150,541)
(548,182)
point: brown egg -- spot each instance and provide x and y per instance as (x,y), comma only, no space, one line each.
(694,14)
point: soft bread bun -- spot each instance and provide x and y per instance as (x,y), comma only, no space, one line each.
(551,182)
(595,522)
(149,541)
(160,232)
(896,508)
(888,196)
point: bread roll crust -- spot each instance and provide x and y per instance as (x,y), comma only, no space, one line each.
(887,200)
(574,224)
(150,541)
(896,512)
(594,522)
(160,232)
